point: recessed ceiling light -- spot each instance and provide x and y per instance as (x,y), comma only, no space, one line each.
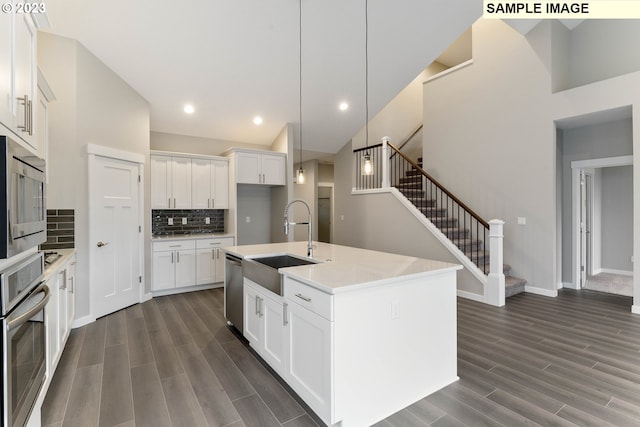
(257,120)
(189,109)
(343,106)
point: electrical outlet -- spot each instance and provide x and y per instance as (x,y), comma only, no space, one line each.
(184,221)
(522,220)
(248,219)
(395,310)
(341,217)
(207,220)
(170,221)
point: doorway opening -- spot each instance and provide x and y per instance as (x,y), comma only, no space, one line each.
(325,212)
(603,224)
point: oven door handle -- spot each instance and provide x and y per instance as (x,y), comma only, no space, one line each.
(24,317)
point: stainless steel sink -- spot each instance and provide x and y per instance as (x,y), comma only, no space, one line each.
(264,270)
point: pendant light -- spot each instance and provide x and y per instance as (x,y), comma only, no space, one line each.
(367,164)
(300,171)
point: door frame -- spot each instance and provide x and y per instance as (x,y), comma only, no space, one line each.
(576,168)
(94,151)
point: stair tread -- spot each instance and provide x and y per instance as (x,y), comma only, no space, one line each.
(514,281)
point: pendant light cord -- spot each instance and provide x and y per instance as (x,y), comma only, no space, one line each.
(300,79)
(366,71)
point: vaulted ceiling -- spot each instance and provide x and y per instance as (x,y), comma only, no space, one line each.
(235,59)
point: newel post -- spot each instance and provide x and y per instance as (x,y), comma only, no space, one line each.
(385,162)
(494,294)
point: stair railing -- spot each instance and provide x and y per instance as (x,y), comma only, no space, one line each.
(474,236)
(452,216)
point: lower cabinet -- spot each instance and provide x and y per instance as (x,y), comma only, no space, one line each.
(264,322)
(184,263)
(293,339)
(59,312)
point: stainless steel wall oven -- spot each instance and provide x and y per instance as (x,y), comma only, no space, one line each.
(23,220)
(23,296)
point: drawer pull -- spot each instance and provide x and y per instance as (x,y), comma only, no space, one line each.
(175,246)
(302,297)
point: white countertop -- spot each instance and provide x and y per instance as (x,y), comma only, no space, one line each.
(194,236)
(343,268)
(50,270)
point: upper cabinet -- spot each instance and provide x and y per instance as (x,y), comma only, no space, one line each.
(209,183)
(181,182)
(18,70)
(170,182)
(259,167)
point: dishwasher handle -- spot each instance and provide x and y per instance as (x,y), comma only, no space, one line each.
(233,260)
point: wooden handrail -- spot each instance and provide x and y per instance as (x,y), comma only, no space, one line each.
(440,186)
(407,139)
(367,148)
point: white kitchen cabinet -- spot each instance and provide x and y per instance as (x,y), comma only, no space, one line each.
(6,69)
(309,346)
(259,167)
(170,182)
(71,292)
(210,183)
(52,321)
(174,265)
(210,260)
(264,324)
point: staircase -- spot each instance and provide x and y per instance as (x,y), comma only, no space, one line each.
(411,186)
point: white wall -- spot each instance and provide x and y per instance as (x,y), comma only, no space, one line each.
(601,49)
(93,106)
(617,218)
(195,145)
(280,196)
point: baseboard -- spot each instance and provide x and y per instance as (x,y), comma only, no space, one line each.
(173,291)
(541,291)
(146,297)
(471,296)
(614,271)
(569,285)
(635,309)
(82,321)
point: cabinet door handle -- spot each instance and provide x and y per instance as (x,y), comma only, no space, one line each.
(25,101)
(213,203)
(169,200)
(177,256)
(174,202)
(30,117)
(208,203)
(285,322)
(171,257)
(257,305)
(72,279)
(213,253)
(302,297)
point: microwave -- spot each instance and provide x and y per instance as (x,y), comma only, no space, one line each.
(23,214)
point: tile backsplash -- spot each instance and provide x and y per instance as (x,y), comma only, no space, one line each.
(60,229)
(195,221)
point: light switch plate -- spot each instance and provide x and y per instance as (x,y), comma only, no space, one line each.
(170,221)
(184,221)
(207,220)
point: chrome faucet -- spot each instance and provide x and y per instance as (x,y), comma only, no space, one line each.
(308,223)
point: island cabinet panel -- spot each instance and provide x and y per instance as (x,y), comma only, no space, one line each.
(264,324)
(309,346)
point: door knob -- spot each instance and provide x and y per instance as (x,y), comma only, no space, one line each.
(100,244)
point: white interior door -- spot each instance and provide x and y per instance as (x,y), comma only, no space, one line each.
(586,208)
(114,234)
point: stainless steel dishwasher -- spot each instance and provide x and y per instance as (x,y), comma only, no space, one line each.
(233,291)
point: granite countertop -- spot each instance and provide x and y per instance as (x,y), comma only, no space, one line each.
(51,269)
(192,236)
(342,268)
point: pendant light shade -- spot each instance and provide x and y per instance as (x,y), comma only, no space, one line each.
(367,164)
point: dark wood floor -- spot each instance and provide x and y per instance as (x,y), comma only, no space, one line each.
(571,360)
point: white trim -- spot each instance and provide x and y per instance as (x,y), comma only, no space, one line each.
(568,285)
(614,271)
(470,295)
(370,191)
(172,291)
(605,162)
(115,153)
(146,297)
(43,85)
(453,69)
(82,321)
(635,309)
(190,155)
(541,291)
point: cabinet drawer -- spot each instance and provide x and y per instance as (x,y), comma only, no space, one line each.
(214,243)
(309,297)
(175,245)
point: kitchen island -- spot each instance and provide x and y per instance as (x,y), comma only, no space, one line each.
(358,334)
